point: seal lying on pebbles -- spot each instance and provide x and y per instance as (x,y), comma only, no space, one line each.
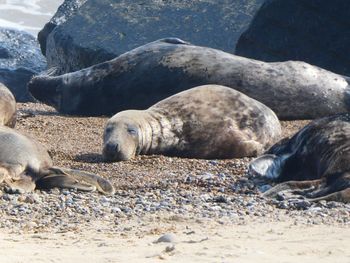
(7,107)
(141,77)
(209,122)
(315,158)
(25,164)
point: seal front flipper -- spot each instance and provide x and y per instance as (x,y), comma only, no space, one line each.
(24,184)
(71,178)
(296,188)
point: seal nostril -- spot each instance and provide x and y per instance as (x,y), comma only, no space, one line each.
(112,147)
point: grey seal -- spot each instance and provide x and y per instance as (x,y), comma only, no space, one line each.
(314,163)
(8,107)
(25,164)
(210,121)
(143,76)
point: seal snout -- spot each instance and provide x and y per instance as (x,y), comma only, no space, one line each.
(46,90)
(110,151)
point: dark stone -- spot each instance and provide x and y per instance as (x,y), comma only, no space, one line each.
(65,11)
(314,31)
(20,59)
(103,29)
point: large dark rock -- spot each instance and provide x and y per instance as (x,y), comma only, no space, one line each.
(65,11)
(20,59)
(315,31)
(103,29)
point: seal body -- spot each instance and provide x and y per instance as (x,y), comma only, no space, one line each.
(318,156)
(209,121)
(145,75)
(7,107)
(25,164)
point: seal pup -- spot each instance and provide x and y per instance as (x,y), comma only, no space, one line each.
(25,164)
(314,163)
(8,107)
(210,122)
(143,76)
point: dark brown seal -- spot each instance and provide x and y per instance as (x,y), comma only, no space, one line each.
(210,121)
(315,159)
(150,73)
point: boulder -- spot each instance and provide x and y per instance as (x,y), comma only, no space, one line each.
(103,29)
(20,59)
(314,31)
(65,11)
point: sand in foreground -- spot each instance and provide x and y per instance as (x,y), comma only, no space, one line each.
(195,242)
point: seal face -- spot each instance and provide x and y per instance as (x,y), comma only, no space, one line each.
(150,73)
(7,107)
(25,164)
(210,121)
(316,159)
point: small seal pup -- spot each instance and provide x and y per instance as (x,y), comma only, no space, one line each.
(7,107)
(210,121)
(25,164)
(314,163)
(145,75)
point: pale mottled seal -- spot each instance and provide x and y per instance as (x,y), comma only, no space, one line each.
(209,121)
(317,158)
(25,164)
(150,73)
(7,107)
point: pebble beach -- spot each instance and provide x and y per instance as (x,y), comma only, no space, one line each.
(154,194)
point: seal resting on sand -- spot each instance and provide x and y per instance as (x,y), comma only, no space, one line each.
(7,107)
(210,121)
(145,75)
(25,164)
(314,163)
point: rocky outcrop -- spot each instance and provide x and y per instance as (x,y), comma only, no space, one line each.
(315,31)
(65,11)
(20,59)
(103,29)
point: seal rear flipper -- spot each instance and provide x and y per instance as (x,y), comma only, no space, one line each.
(265,166)
(71,178)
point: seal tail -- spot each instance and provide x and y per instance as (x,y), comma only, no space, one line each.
(71,178)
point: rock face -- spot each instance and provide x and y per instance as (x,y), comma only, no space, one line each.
(315,31)
(20,59)
(65,11)
(103,29)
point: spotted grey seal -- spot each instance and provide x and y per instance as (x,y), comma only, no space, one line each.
(209,121)
(315,159)
(141,77)
(25,164)
(7,107)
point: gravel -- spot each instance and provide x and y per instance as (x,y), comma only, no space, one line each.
(175,188)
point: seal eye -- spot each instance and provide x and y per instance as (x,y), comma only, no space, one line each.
(132,131)
(108,129)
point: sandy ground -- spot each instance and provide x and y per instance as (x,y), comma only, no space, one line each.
(194,242)
(54,229)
